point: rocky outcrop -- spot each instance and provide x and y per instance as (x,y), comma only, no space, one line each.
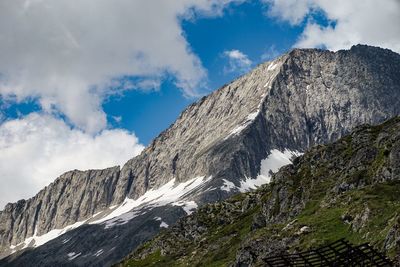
(303,98)
(309,203)
(73,197)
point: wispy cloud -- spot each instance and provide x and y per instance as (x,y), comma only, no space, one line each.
(237,61)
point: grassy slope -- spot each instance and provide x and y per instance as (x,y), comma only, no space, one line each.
(327,220)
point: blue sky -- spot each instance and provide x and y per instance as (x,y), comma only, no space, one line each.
(90,84)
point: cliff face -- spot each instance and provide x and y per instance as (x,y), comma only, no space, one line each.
(73,197)
(302,98)
(347,189)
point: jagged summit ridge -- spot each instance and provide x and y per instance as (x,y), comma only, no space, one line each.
(201,127)
(305,97)
(324,92)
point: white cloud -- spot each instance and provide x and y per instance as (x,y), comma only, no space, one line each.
(38,148)
(237,61)
(117,119)
(292,11)
(370,22)
(67,54)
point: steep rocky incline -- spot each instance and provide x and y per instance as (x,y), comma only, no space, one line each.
(305,97)
(348,189)
(73,197)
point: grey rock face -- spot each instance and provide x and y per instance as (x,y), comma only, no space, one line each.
(305,97)
(73,197)
(198,137)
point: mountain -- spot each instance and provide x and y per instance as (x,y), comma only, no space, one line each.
(347,189)
(225,143)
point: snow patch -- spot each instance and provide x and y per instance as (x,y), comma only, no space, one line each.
(267,84)
(98,253)
(187,206)
(36,241)
(94,215)
(170,193)
(228,186)
(272,66)
(13,249)
(252,116)
(244,124)
(164,225)
(272,163)
(73,255)
(66,240)
(238,129)
(250,183)
(40,240)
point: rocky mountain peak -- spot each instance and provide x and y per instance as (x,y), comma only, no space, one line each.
(303,98)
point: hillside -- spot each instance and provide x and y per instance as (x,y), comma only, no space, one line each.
(347,189)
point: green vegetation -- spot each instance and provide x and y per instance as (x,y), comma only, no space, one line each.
(335,191)
(327,224)
(153,259)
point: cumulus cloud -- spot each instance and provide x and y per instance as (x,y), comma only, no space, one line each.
(36,149)
(292,11)
(370,22)
(67,55)
(237,61)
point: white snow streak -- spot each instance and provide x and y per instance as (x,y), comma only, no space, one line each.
(275,160)
(97,213)
(188,206)
(98,253)
(252,116)
(164,225)
(170,193)
(36,241)
(272,163)
(228,186)
(242,126)
(272,66)
(73,255)
(66,240)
